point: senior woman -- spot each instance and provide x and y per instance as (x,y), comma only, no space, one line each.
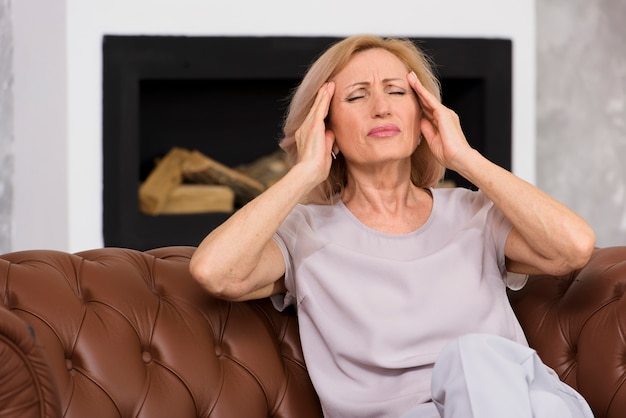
(400,287)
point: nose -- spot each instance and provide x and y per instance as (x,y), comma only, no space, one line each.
(380,105)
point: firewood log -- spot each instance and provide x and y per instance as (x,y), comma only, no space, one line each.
(199,198)
(166,176)
(199,168)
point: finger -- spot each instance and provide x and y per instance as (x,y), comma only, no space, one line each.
(426,107)
(310,135)
(421,90)
(321,105)
(429,102)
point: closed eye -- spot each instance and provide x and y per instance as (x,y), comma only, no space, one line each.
(395,90)
(354,98)
(359,94)
(355,95)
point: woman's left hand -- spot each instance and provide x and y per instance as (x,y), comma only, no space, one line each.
(440,126)
(547,236)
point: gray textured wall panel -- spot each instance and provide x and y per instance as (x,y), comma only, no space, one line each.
(6,125)
(581,110)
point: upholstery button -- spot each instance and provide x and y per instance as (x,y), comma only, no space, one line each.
(218,350)
(68,364)
(146,357)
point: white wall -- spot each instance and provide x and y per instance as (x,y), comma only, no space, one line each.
(40,189)
(77,104)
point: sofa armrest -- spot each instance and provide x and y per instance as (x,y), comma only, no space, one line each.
(26,385)
(577,324)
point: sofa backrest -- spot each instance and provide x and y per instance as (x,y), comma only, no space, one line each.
(121,333)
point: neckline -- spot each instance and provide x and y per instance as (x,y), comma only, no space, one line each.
(417,231)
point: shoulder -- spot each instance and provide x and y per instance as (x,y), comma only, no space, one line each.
(309,217)
(460,197)
(311,213)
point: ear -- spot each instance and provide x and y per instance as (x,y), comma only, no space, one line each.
(330,140)
(427,129)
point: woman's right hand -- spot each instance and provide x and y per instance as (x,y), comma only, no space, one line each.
(313,140)
(252,265)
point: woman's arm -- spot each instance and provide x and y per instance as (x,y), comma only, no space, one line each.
(547,236)
(239,260)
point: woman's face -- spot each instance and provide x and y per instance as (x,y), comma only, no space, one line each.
(374,112)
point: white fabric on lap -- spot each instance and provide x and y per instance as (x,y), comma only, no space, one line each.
(486,376)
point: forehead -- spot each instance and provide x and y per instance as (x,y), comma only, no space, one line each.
(371,62)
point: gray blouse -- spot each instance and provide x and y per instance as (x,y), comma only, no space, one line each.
(375,309)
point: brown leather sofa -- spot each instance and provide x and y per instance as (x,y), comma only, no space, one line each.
(121,333)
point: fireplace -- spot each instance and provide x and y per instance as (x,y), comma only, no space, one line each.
(226,97)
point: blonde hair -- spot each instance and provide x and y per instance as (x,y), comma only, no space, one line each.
(426,171)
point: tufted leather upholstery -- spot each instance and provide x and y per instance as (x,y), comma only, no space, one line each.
(130,334)
(121,333)
(577,324)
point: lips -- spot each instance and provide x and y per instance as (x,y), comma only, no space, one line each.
(384,131)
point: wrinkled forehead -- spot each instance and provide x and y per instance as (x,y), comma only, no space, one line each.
(370,65)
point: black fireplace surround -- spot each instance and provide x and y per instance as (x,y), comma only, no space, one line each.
(226,97)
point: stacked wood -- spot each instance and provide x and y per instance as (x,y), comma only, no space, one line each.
(186,182)
(163,192)
(199,198)
(199,168)
(166,176)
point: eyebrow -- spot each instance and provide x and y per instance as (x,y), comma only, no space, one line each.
(367,83)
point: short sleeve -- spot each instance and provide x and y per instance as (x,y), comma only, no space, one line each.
(500,227)
(515,281)
(283,300)
(286,237)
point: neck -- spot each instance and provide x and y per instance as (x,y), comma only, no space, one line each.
(379,187)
